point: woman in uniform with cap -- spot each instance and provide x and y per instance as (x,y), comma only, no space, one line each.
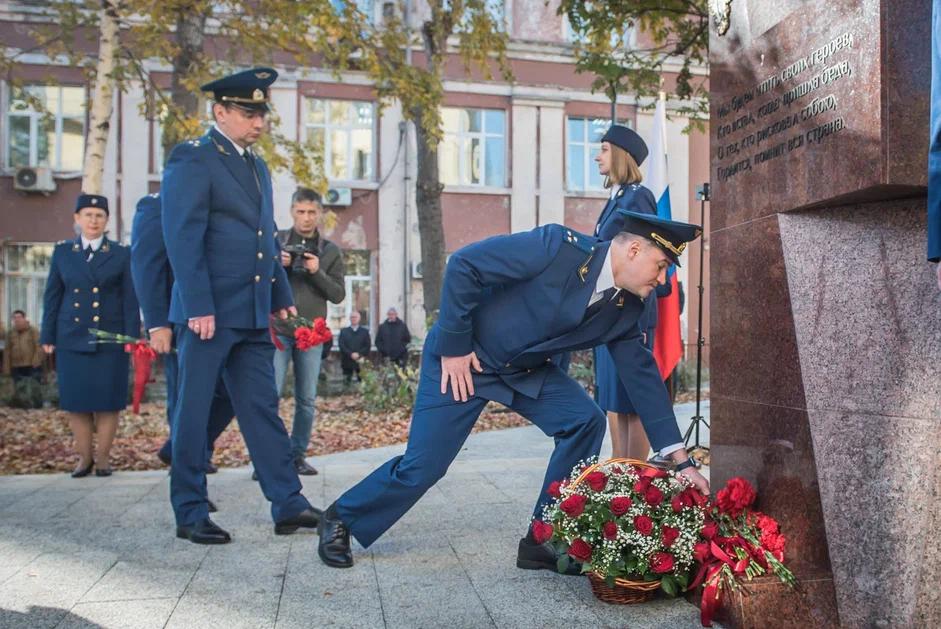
(90,286)
(622,152)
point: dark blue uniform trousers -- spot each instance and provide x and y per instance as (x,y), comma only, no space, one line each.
(244,360)
(564,411)
(220,414)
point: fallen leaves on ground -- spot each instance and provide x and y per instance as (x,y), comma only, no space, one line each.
(40,441)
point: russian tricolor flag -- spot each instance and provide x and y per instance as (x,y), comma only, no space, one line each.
(668,343)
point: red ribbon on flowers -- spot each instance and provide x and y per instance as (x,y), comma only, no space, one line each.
(711,597)
(143,356)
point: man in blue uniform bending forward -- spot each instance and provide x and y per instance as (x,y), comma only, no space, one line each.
(510,305)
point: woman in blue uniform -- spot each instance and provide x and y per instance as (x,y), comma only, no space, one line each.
(90,286)
(622,153)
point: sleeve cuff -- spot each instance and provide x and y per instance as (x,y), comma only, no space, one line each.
(453,343)
(670,449)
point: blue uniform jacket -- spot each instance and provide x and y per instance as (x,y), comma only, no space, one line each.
(218,226)
(150,269)
(84,294)
(631,198)
(934,147)
(519,301)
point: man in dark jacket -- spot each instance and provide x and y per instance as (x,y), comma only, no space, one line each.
(354,346)
(392,338)
(314,267)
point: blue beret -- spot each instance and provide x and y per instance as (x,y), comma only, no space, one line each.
(670,236)
(92,200)
(628,140)
(247,89)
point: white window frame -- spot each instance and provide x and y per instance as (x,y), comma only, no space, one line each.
(6,93)
(327,126)
(462,137)
(591,149)
(34,297)
(628,39)
(343,309)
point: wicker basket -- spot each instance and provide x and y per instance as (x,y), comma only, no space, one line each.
(624,591)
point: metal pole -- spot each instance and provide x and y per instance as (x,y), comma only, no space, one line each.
(700,341)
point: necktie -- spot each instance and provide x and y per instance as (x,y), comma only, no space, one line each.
(89,252)
(596,307)
(250,160)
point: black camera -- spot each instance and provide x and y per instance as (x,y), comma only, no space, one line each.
(297,255)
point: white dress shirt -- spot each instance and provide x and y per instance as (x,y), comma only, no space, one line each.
(94,244)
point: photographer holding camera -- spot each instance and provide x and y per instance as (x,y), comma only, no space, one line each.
(314,266)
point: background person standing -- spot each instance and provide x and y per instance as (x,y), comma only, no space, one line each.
(90,286)
(354,346)
(392,338)
(315,270)
(22,355)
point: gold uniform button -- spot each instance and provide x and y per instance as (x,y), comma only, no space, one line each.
(95,318)
(76,319)
(272,280)
(260,233)
(257,278)
(260,255)
(94,290)
(76,290)
(94,304)
(508,364)
(75,304)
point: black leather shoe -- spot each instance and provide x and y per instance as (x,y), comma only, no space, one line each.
(212,506)
(103,472)
(334,546)
(203,532)
(83,472)
(211,469)
(533,556)
(303,468)
(308,518)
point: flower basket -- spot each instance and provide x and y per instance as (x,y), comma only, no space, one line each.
(632,526)
(624,591)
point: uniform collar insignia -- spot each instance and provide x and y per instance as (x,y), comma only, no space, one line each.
(104,247)
(76,247)
(621,300)
(620,193)
(219,146)
(583,269)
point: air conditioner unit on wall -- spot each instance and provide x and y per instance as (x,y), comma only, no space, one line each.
(338,196)
(416,270)
(30,179)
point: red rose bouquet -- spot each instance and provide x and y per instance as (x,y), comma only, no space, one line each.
(306,333)
(738,544)
(623,519)
(142,355)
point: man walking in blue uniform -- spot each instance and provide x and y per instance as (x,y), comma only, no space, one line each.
(218,226)
(153,282)
(510,305)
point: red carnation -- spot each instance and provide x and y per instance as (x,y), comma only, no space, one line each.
(555,489)
(541,531)
(643,524)
(661,562)
(653,496)
(774,543)
(669,536)
(574,505)
(620,505)
(702,552)
(580,550)
(597,480)
(304,338)
(610,530)
(767,524)
(736,496)
(642,485)
(710,529)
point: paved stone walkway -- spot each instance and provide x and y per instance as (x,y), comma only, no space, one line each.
(100,552)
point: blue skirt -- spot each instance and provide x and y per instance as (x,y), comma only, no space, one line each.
(92,381)
(610,393)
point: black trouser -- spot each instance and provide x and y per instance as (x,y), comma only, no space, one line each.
(21,373)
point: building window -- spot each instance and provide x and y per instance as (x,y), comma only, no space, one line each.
(46,127)
(345,130)
(358,292)
(619,39)
(366,7)
(583,144)
(157,112)
(473,151)
(26,266)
